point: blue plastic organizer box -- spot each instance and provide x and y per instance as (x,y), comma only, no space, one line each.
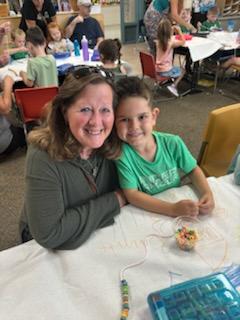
(208,298)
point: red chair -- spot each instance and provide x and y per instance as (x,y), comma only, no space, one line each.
(148,69)
(31,102)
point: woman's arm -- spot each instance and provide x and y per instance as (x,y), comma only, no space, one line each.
(206,201)
(176,17)
(147,202)
(61,208)
(6,97)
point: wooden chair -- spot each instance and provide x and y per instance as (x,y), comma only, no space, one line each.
(31,102)
(220,140)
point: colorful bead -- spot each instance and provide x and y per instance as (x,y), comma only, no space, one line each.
(125,305)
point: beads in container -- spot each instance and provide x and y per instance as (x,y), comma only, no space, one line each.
(186,238)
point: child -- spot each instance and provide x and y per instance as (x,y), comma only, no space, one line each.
(18,50)
(126,65)
(109,56)
(211,23)
(186,16)
(41,69)
(56,42)
(165,44)
(150,161)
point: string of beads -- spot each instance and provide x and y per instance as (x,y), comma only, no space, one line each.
(125,300)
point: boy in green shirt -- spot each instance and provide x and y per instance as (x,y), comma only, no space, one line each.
(212,22)
(149,162)
(41,68)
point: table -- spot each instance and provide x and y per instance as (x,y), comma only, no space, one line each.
(41,284)
(17,65)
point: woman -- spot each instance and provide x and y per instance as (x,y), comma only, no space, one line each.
(37,12)
(71,189)
(158,9)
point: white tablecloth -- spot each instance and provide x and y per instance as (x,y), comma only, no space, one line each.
(40,284)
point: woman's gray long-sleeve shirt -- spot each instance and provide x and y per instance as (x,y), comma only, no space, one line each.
(64,203)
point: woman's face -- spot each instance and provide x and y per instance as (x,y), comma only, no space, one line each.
(55,34)
(91,117)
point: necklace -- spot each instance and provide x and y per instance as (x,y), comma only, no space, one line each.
(90,166)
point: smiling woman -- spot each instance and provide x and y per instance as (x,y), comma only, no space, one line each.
(71,188)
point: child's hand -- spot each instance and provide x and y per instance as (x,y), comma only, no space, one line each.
(186,208)
(177,29)
(206,203)
(199,25)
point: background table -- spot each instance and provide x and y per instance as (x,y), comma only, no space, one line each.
(41,284)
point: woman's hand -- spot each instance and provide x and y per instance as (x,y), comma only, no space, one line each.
(185,208)
(121,198)
(206,203)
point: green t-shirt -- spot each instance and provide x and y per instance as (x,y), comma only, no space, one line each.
(42,71)
(19,55)
(208,26)
(171,156)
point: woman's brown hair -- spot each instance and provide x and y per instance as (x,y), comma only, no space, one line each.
(55,136)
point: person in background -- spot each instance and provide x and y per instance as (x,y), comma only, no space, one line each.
(18,49)
(186,16)
(231,62)
(235,166)
(5,28)
(56,43)
(149,162)
(37,13)
(109,56)
(11,137)
(41,68)
(159,9)
(71,188)
(165,44)
(199,10)
(83,24)
(212,23)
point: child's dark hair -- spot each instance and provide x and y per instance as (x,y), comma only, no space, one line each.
(132,87)
(119,45)
(108,50)
(164,33)
(35,36)
(126,88)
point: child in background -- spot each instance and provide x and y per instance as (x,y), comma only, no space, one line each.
(18,50)
(149,162)
(41,68)
(186,16)
(109,56)
(56,43)
(212,22)
(230,62)
(165,44)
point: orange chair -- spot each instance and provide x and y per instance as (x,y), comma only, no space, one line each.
(221,138)
(31,102)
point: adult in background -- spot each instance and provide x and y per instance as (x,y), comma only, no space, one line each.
(158,9)
(71,188)
(11,137)
(37,12)
(83,24)
(4,55)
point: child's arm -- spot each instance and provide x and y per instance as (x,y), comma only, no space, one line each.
(23,75)
(149,203)
(15,50)
(181,41)
(206,201)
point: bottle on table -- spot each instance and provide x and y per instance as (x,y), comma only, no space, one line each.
(85,52)
(76,48)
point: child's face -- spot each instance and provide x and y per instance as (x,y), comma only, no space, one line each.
(20,41)
(135,121)
(186,15)
(212,17)
(55,34)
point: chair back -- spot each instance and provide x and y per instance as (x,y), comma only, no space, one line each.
(31,101)
(148,64)
(221,138)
